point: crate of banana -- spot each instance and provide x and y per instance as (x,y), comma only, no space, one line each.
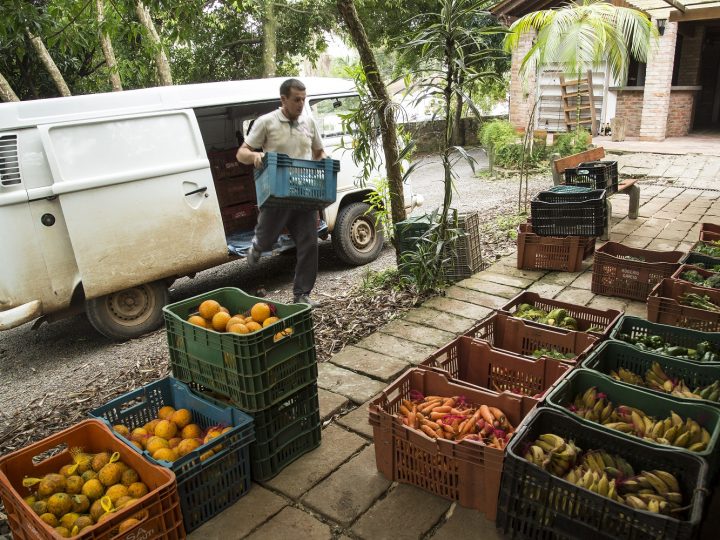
(654,419)
(685,381)
(565,479)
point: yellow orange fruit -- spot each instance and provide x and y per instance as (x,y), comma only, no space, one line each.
(62,532)
(89,475)
(83,522)
(166,412)
(253,326)
(93,489)
(224,310)
(181,418)
(283,334)
(156,443)
(138,434)
(209,308)
(270,320)
(80,504)
(129,476)
(165,429)
(100,460)
(96,510)
(116,491)
(191,431)
(239,329)
(234,320)
(68,520)
(137,490)
(122,501)
(260,312)
(74,484)
(187,446)
(197,320)
(150,426)
(172,443)
(122,430)
(50,519)
(110,474)
(59,504)
(137,445)
(165,454)
(219,321)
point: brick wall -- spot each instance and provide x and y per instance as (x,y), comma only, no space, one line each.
(658,78)
(689,71)
(630,106)
(680,113)
(429,136)
(522,89)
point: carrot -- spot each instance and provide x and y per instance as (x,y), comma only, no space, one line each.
(412,419)
(486,414)
(449,402)
(440,434)
(424,407)
(404,410)
(433,425)
(408,404)
(428,431)
(434,398)
(498,414)
(437,415)
(470,423)
(458,412)
(448,429)
(443,408)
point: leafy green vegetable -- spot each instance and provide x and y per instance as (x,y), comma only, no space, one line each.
(552,353)
(702,352)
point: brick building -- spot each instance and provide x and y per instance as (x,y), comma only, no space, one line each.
(676,92)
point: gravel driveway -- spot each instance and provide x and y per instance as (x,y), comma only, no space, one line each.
(44,364)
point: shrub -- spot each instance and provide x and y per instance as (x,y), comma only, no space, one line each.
(571,142)
(511,156)
(495,135)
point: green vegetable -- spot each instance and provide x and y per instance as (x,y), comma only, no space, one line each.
(713,250)
(699,302)
(552,353)
(703,351)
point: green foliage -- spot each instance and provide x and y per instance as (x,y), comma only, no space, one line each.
(511,156)
(571,142)
(505,226)
(497,133)
(379,201)
(374,281)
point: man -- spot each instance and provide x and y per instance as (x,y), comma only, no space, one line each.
(287,131)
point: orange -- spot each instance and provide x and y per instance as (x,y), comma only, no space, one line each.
(165,429)
(139,434)
(198,321)
(164,454)
(187,446)
(191,431)
(253,326)
(137,445)
(122,430)
(181,418)
(156,443)
(224,310)
(260,312)
(116,491)
(174,442)
(206,455)
(165,412)
(150,426)
(285,333)
(234,320)
(137,490)
(209,308)
(239,329)
(219,321)
(269,321)
(249,319)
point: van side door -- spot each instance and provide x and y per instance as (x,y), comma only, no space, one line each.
(138,198)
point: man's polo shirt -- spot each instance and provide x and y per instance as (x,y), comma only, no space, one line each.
(273,132)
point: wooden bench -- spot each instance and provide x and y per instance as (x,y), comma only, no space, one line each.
(625,187)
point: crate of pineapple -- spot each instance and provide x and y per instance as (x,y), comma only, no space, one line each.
(445,437)
(679,303)
(652,419)
(207,446)
(565,479)
(535,341)
(253,351)
(684,381)
(474,362)
(86,483)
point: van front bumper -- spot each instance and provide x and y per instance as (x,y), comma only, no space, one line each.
(20,315)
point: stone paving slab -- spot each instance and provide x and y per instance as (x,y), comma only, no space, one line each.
(347,383)
(419,333)
(290,523)
(350,490)
(405,514)
(330,403)
(583,281)
(396,347)
(357,420)
(575,296)
(337,446)
(466,309)
(460,522)
(475,297)
(440,319)
(635,241)
(546,290)
(488,287)
(371,363)
(509,268)
(504,279)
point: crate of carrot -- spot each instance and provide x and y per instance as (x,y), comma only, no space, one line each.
(444,436)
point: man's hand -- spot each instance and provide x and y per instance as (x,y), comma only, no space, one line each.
(257,159)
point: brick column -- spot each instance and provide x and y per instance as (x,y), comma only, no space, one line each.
(523,90)
(689,74)
(658,78)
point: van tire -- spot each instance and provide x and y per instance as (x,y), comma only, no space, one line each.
(356,239)
(129,313)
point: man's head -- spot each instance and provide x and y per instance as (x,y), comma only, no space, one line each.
(292,98)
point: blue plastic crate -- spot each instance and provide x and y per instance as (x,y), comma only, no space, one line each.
(296,183)
(206,487)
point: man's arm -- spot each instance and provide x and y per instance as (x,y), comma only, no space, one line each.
(248,156)
(319,154)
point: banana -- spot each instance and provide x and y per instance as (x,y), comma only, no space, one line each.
(638,423)
(621,426)
(635,502)
(612,493)
(571,477)
(654,506)
(669,479)
(608,460)
(705,436)
(603,486)
(697,447)
(538,455)
(589,397)
(695,430)
(670,434)
(683,440)
(657,484)
(643,482)
(676,419)
(613,472)
(551,439)
(647,497)
(594,487)
(606,413)
(668,386)
(625,467)
(658,429)
(630,486)
(649,425)
(587,480)
(658,371)
(674,497)
(662,440)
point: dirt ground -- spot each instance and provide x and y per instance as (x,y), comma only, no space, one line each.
(42,367)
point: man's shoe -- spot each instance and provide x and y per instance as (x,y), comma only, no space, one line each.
(253,255)
(305,299)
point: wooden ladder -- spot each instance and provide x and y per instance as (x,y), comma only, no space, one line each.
(578,104)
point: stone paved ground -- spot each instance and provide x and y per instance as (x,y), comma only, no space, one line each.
(335,491)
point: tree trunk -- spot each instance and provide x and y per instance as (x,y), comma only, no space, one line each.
(107,48)
(458,132)
(388,127)
(161,61)
(49,64)
(6,91)
(269,40)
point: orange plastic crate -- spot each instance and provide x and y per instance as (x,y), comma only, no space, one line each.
(564,254)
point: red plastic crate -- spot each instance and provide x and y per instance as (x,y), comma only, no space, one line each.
(564,254)
(224,164)
(159,510)
(709,232)
(663,306)
(686,268)
(239,217)
(237,190)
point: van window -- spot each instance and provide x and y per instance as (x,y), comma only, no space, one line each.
(9,164)
(327,114)
(91,150)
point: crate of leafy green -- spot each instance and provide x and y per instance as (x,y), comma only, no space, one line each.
(528,339)
(680,303)
(711,249)
(668,340)
(702,261)
(698,276)
(709,232)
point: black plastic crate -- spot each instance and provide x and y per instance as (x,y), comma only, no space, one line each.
(569,213)
(537,505)
(594,175)
(707,262)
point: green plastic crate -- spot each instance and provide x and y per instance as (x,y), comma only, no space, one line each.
(683,337)
(652,404)
(254,370)
(612,355)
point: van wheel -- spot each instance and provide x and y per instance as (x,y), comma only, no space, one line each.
(129,313)
(356,239)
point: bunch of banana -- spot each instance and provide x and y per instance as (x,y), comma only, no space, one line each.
(655,491)
(627,376)
(553,453)
(592,405)
(657,379)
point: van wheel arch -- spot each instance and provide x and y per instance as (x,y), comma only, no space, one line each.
(129,313)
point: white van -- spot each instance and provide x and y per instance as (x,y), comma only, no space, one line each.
(106,199)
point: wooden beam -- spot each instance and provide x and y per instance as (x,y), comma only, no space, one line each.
(701,14)
(677,5)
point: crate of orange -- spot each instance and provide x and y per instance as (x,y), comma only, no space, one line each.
(255,352)
(206,445)
(85,483)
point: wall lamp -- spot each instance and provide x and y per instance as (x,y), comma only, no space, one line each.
(661,26)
